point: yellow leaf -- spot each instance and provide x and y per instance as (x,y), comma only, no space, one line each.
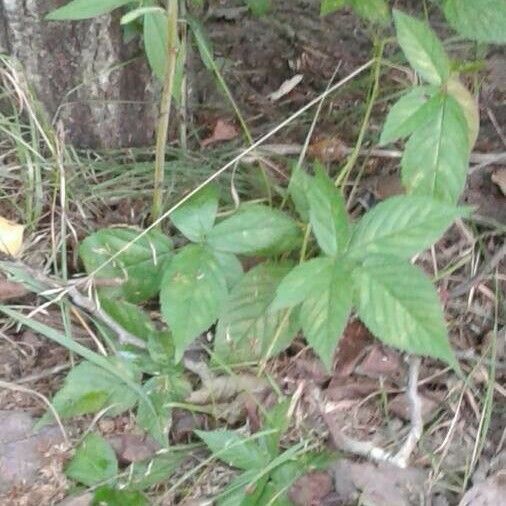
(469,107)
(11,237)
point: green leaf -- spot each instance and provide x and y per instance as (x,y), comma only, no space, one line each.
(243,488)
(139,267)
(93,462)
(162,390)
(436,157)
(255,229)
(304,280)
(399,305)
(402,226)
(276,418)
(259,7)
(329,6)
(298,188)
(234,450)
(203,43)
(373,10)
(137,13)
(231,267)
(406,115)
(323,316)
(481,20)
(248,329)
(156,38)
(422,48)
(195,218)
(193,291)
(89,388)
(143,475)
(108,496)
(83,9)
(327,214)
(131,317)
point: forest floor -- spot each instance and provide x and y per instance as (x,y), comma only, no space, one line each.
(365,395)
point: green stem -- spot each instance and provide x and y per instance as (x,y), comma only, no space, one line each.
(378,55)
(165,105)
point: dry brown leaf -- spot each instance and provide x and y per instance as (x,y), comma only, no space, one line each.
(285,88)
(381,362)
(11,290)
(11,237)
(223,131)
(385,186)
(224,388)
(400,406)
(499,178)
(330,149)
(310,489)
(351,348)
(133,447)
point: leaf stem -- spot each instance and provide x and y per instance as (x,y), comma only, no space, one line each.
(165,106)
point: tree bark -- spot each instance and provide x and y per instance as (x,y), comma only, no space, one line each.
(83,74)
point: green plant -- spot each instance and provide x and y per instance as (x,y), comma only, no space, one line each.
(266,472)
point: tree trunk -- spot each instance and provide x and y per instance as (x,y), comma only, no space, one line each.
(82,73)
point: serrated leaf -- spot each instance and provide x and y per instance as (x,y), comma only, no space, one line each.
(406,115)
(422,48)
(109,496)
(324,316)
(234,450)
(373,10)
(192,294)
(402,226)
(469,106)
(139,267)
(481,20)
(89,388)
(248,329)
(195,218)
(83,9)
(327,214)
(156,38)
(399,305)
(93,462)
(436,157)
(304,280)
(329,6)
(255,229)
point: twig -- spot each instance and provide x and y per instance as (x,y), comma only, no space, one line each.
(368,449)
(46,373)
(415,407)
(482,159)
(80,300)
(489,266)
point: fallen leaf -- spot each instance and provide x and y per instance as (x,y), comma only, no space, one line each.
(381,362)
(330,149)
(223,131)
(11,290)
(491,492)
(184,423)
(383,187)
(355,338)
(133,447)
(11,237)
(224,388)
(77,500)
(499,178)
(285,88)
(400,407)
(310,489)
(350,388)
(382,485)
